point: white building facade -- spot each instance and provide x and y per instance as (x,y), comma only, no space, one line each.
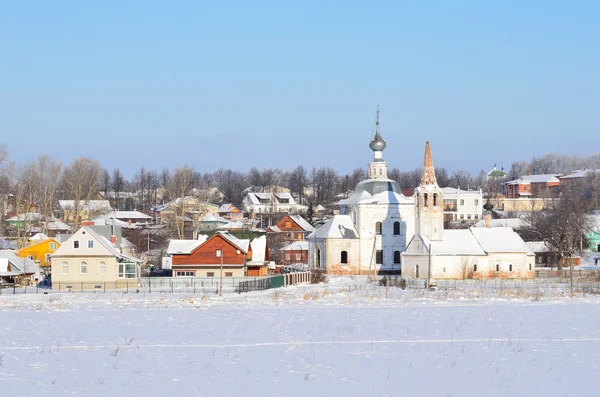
(373,228)
(462,206)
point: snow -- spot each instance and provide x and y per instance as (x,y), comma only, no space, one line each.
(500,239)
(340,226)
(185,246)
(347,338)
(455,242)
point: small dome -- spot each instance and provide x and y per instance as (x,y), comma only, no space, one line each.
(377,144)
(376,186)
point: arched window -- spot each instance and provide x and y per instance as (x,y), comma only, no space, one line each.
(379,257)
(530,266)
(101,268)
(474,268)
(510,268)
(378,228)
(344,258)
(435,200)
(64,268)
(497,268)
(83,268)
(425,199)
(319,258)
(396,228)
(396,257)
(417,271)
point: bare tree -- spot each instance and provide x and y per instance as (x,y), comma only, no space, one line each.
(117,184)
(179,186)
(81,181)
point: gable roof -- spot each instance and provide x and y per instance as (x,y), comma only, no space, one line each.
(38,237)
(340,226)
(90,205)
(185,246)
(514,223)
(500,239)
(103,242)
(296,246)
(303,223)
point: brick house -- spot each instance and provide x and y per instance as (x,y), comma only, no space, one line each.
(295,252)
(533,186)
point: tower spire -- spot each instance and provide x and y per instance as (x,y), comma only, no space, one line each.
(428,177)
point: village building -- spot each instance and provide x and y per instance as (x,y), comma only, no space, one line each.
(271,203)
(295,252)
(88,209)
(466,253)
(373,225)
(206,258)
(292,228)
(14,269)
(462,206)
(89,261)
(230,212)
(39,250)
(537,186)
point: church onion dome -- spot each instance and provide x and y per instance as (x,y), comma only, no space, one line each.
(376,186)
(377,144)
(496,173)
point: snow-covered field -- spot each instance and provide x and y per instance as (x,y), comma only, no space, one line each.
(347,338)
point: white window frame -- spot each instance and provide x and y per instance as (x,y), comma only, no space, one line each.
(101,265)
(90,244)
(219,253)
(53,246)
(76,244)
(287,257)
(123,273)
(83,265)
(63,266)
(298,257)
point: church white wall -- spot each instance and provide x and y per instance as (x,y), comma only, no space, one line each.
(331,255)
(520,264)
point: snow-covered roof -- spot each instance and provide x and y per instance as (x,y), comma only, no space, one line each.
(303,223)
(377,191)
(225,208)
(514,223)
(230,225)
(529,179)
(213,218)
(39,237)
(452,191)
(296,246)
(259,250)
(340,226)
(19,265)
(274,229)
(243,244)
(28,217)
(128,215)
(185,246)
(500,239)
(90,205)
(537,246)
(107,220)
(57,225)
(455,242)
(580,173)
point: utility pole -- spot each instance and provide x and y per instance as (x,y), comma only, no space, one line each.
(429,267)
(221,278)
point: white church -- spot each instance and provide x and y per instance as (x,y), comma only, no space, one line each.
(380,230)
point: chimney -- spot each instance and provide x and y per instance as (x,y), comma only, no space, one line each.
(113,239)
(488,220)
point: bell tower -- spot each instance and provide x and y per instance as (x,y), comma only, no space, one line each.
(429,202)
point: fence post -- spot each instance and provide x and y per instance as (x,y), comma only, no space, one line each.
(194,285)
(149,284)
(14,288)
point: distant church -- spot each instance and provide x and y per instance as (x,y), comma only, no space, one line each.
(379,229)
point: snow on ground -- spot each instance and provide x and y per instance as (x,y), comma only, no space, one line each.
(347,338)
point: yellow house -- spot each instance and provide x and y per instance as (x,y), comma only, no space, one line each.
(39,250)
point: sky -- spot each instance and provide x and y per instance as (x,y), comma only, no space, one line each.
(277,84)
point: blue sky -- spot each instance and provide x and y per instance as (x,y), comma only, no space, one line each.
(277,84)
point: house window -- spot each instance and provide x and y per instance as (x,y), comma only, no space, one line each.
(378,228)
(435,199)
(462,216)
(468,216)
(425,199)
(298,257)
(444,270)
(52,246)
(530,266)
(287,257)
(47,258)
(83,268)
(288,224)
(101,268)
(344,257)
(379,257)
(497,268)
(417,271)
(299,236)
(219,253)
(76,244)
(228,274)
(396,257)
(184,273)
(396,228)
(64,268)
(474,268)
(476,216)
(30,257)
(210,274)
(476,202)
(510,268)
(90,243)
(539,260)
(127,270)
